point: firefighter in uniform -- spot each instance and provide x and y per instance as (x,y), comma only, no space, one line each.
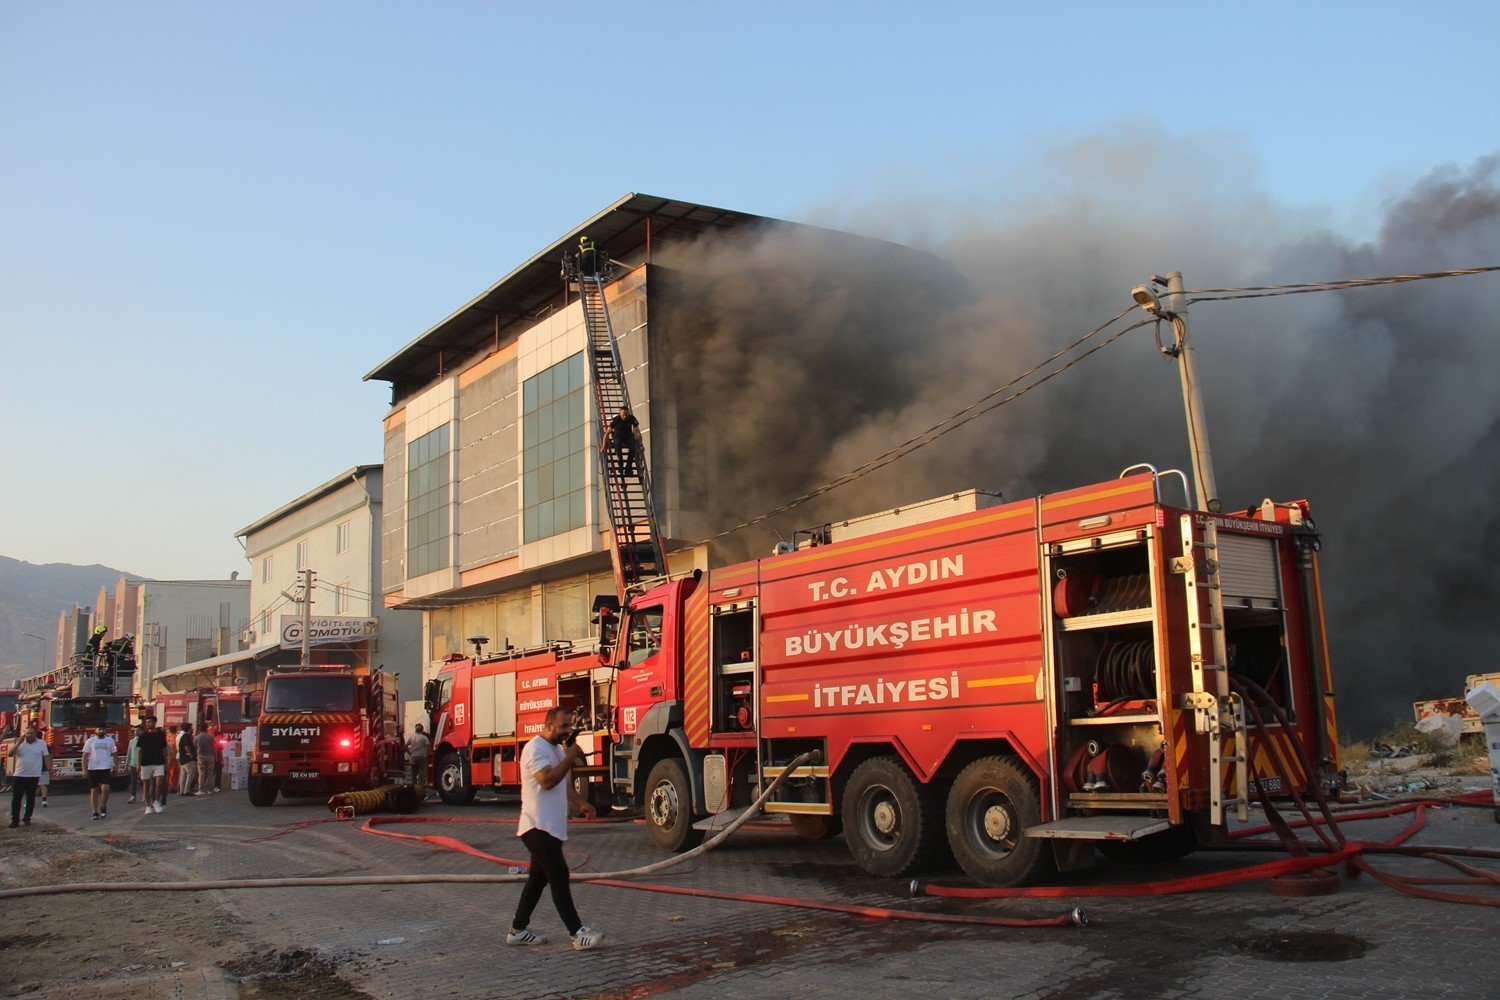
(588,258)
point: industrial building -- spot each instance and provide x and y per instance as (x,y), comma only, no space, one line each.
(493,523)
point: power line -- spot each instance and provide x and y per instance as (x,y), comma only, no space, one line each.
(1303,288)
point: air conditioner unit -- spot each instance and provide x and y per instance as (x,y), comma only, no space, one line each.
(247,636)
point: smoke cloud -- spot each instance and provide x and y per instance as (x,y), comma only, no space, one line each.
(809,357)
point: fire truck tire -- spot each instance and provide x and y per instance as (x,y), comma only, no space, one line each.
(990,806)
(669,807)
(453,784)
(262,792)
(891,827)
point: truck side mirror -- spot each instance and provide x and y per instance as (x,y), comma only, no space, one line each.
(430,692)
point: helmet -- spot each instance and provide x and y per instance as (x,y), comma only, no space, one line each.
(100,629)
(583,239)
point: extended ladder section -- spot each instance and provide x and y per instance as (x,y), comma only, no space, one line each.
(1218,711)
(637,552)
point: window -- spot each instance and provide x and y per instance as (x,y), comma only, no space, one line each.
(265,570)
(265,624)
(554,460)
(427,485)
(341,537)
(341,599)
(302,554)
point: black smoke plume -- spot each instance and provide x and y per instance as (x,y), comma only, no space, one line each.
(808,356)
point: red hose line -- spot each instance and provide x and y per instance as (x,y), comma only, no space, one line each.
(1074,918)
(1169,887)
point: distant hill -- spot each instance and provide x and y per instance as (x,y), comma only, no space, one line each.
(31,598)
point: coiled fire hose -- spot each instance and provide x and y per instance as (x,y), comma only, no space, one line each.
(1075,917)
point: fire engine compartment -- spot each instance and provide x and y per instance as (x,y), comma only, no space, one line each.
(1120,660)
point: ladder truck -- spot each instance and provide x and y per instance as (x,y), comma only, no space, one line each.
(67,705)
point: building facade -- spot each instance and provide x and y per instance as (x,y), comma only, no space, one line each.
(493,523)
(181,621)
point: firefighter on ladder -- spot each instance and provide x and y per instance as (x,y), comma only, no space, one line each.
(624,435)
(588,258)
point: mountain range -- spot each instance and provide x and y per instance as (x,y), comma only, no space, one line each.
(31,598)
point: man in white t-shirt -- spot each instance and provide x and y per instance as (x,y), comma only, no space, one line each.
(545,794)
(99,762)
(30,759)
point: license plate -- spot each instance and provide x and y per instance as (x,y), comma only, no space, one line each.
(303,774)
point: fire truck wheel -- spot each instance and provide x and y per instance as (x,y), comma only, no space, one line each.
(263,791)
(453,784)
(990,806)
(669,807)
(892,828)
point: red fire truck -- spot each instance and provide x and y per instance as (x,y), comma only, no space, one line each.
(325,729)
(225,709)
(1020,682)
(67,706)
(484,710)
(1092,666)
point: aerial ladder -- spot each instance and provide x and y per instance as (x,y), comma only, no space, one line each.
(93,671)
(637,550)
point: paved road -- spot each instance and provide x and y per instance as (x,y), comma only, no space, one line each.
(446,940)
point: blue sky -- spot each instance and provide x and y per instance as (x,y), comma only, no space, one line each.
(217,217)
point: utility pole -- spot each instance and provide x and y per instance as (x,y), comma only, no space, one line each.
(1205,490)
(307,582)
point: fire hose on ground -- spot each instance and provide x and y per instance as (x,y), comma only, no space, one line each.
(1306,872)
(1075,917)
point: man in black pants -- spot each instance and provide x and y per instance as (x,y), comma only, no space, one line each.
(545,794)
(30,759)
(624,434)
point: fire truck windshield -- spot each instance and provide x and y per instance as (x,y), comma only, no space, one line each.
(87,713)
(310,694)
(7,702)
(229,711)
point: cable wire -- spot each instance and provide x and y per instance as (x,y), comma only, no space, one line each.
(1303,288)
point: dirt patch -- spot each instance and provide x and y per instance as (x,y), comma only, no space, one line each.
(298,973)
(49,941)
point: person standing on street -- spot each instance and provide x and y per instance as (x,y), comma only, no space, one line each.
(545,794)
(30,760)
(205,747)
(417,749)
(46,779)
(133,760)
(99,762)
(187,773)
(153,751)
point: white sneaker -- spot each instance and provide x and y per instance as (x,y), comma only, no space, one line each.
(149,811)
(524,937)
(131,799)
(156,806)
(586,939)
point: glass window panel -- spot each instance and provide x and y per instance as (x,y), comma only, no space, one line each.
(575,510)
(528,395)
(544,518)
